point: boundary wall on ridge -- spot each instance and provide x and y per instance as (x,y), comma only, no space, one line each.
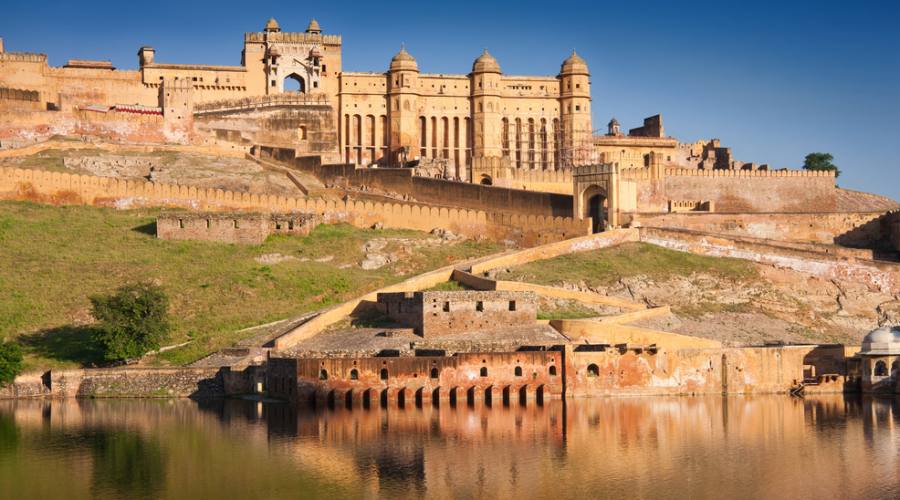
(63,188)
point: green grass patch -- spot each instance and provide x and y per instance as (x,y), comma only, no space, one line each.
(54,258)
(609,265)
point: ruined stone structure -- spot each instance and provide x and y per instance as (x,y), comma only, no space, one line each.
(238,227)
(441,313)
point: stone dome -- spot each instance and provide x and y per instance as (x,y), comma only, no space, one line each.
(272,25)
(403,61)
(313,27)
(485,64)
(883,340)
(574,65)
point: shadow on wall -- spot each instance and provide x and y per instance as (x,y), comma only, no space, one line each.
(66,343)
(873,235)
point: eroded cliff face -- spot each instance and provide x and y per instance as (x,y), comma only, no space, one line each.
(777,305)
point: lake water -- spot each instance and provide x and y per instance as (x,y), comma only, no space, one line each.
(710,447)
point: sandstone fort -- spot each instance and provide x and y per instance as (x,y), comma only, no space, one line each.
(480,155)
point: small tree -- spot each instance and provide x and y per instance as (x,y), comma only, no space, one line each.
(821,161)
(133,320)
(10,362)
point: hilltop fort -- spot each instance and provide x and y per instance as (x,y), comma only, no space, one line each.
(483,155)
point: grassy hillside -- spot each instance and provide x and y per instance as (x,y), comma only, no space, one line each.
(607,266)
(52,259)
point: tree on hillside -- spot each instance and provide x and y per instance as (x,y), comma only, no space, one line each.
(821,161)
(10,362)
(133,320)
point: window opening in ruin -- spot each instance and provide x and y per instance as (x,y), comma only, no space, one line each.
(290,225)
(354,374)
(512,305)
(208,224)
(446,307)
(236,224)
(323,375)
(593,370)
(384,374)
(881,369)
(181,223)
(479,306)
(434,373)
(324,68)
(278,226)
(483,371)
(518,371)
(552,370)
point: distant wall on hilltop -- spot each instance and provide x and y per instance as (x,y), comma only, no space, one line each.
(63,188)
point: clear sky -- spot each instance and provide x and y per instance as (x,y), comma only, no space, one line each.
(774,81)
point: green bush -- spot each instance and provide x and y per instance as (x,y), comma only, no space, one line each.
(10,362)
(133,320)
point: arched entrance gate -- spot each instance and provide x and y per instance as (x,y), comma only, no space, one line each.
(596,195)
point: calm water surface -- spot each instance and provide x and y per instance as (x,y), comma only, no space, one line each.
(759,447)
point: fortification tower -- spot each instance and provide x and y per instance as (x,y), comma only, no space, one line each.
(403,76)
(575,111)
(485,109)
(146,55)
(278,61)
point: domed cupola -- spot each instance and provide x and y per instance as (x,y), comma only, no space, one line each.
(485,64)
(574,65)
(313,28)
(882,341)
(403,61)
(272,26)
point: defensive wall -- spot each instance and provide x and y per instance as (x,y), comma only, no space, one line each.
(64,188)
(425,189)
(855,230)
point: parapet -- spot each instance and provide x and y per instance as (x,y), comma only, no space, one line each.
(89,64)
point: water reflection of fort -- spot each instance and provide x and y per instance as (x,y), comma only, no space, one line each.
(767,446)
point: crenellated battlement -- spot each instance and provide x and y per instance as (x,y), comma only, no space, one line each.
(287,37)
(31,57)
(688,172)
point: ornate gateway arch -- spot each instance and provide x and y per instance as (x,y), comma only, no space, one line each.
(596,195)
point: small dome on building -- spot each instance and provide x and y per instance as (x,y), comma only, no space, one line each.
(272,25)
(883,340)
(403,61)
(574,65)
(613,122)
(485,64)
(313,27)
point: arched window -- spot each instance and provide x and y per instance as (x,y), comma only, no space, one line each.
(518,371)
(384,374)
(484,371)
(354,374)
(434,373)
(552,370)
(881,369)
(593,370)
(323,374)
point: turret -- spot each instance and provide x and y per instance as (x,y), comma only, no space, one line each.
(485,90)
(313,28)
(145,56)
(272,26)
(575,110)
(403,75)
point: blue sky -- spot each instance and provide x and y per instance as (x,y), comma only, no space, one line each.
(774,81)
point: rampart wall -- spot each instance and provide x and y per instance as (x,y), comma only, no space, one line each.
(428,190)
(746,190)
(63,188)
(120,382)
(855,230)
